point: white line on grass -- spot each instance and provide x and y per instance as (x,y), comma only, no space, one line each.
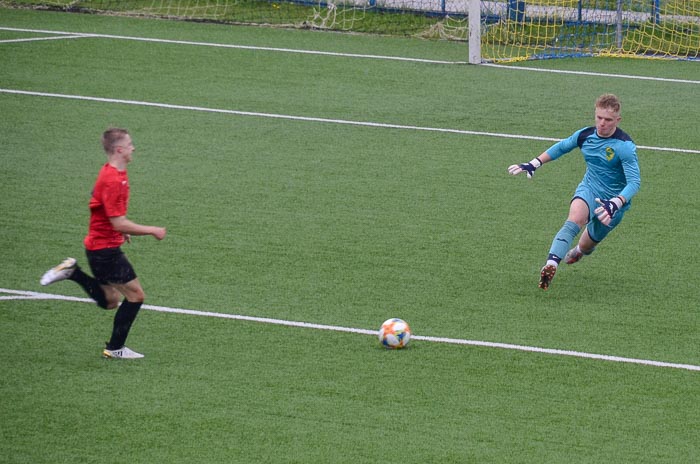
(240,47)
(310,119)
(34,39)
(350,55)
(589,73)
(23,294)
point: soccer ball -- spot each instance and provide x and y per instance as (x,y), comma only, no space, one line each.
(394,334)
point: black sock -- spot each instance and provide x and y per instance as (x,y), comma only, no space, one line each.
(126,314)
(91,287)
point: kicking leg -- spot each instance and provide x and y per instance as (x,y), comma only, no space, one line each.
(105,296)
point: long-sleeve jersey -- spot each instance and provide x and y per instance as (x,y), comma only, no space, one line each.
(612,167)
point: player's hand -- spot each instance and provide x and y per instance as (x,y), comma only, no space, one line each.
(607,209)
(528,168)
(127,238)
(158,233)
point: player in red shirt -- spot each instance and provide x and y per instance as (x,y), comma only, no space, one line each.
(109,229)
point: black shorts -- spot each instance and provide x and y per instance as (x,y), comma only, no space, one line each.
(110,266)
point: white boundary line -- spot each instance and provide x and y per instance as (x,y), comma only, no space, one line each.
(350,55)
(588,73)
(35,39)
(311,119)
(23,294)
(240,47)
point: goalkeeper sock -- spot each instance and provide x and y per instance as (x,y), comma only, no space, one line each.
(562,241)
(91,286)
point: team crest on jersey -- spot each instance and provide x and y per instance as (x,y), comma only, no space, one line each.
(609,153)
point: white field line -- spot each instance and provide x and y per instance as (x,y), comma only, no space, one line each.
(587,73)
(349,55)
(23,294)
(311,119)
(34,39)
(241,47)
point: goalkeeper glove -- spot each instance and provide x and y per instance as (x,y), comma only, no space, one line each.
(607,209)
(529,168)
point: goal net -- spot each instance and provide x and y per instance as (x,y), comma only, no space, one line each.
(497,31)
(521,30)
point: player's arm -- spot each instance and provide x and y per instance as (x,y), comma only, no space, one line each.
(609,207)
(557,150)
(127,227)
(630,166)
(530,167)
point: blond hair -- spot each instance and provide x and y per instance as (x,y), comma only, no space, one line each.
(609,101)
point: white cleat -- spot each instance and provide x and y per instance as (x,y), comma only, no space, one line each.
(60,272)
(121,353)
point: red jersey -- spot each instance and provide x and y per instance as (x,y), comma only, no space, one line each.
(110,198)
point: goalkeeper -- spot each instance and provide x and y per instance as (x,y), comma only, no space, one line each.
(605,193)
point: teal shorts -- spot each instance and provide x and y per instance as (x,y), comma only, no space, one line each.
(596,229)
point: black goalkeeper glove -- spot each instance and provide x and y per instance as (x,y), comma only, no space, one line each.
(607,209)
(528,168)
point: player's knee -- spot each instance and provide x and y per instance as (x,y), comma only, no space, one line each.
(133,292)
(578,219)
(138,296)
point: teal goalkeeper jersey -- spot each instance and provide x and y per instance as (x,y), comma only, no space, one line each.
(611,163)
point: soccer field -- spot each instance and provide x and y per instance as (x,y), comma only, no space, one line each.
(314,185)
